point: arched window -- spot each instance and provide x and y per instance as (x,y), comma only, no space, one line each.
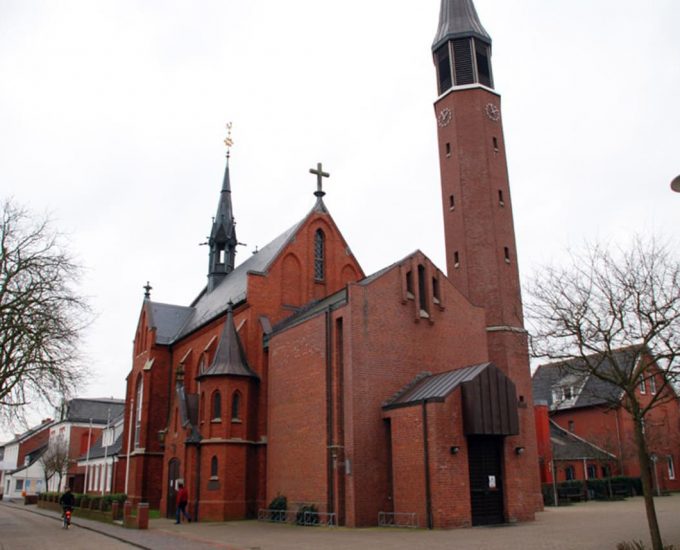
(216,413)
(213,467)
(319,255)
(138,410)
(236,406)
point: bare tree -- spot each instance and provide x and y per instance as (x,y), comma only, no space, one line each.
(55,460)
(605,301)
(41,314)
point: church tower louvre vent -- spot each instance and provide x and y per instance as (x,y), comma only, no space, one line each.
(462,53)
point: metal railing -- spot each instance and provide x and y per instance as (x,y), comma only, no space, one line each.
(306,518)
(397,519)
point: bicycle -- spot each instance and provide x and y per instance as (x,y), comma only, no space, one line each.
(67,517)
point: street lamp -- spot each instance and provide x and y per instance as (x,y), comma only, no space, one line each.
(675,184)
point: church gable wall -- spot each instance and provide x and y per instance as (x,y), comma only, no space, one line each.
(297,275)
(151,365)
(391,343)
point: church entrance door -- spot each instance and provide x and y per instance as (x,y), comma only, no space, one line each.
(173,476)
(486,481)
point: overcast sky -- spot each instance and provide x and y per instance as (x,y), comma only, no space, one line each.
(112,116)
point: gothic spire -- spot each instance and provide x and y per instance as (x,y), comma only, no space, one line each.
(222,240)
(229,356)
(461,47)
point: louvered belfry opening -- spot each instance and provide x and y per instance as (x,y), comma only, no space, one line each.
(483,55)
(462,54)
(463,61)
(442,60)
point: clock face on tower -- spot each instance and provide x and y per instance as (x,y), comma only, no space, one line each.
(444,117)
(493,112)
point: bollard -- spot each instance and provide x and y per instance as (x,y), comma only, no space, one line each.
(143,515)
(127,514)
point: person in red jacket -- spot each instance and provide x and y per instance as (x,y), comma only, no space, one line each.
(182,500)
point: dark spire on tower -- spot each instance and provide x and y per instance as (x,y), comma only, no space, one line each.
(229,355)
(461,47)
(222,240)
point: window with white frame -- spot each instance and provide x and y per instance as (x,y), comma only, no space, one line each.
(643,386)
(652,385)
(671,467)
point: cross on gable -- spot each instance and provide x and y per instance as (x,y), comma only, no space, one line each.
(320,174)
(147,290)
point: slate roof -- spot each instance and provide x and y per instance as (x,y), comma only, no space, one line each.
(174,322)
(33,457)
(457,19)
(98,451)
(333,301)
(97,410)
(229,357)
(568,446)
(591,390)
(167,319)
(433,387)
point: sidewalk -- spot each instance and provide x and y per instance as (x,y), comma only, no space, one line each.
(583,526)
(151,539)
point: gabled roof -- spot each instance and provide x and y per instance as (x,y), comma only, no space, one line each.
(33,457)
(167,319)
(590,389)
(28,433)
(175,322)
(458,18)
(568,446)
(97,410)
(234,286)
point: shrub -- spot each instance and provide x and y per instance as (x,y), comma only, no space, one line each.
(307,514)
(278,506)
(638,545)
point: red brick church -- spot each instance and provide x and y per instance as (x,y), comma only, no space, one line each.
(295,374)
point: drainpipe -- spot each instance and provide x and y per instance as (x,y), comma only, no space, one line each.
(426,458)
(329,413)
(129,444)
(198,480)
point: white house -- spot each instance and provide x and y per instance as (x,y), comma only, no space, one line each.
(101,461)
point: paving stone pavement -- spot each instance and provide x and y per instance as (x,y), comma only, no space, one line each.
(584,526)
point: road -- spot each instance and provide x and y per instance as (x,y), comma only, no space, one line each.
(24,530)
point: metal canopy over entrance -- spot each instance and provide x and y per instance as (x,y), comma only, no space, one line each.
(490,404)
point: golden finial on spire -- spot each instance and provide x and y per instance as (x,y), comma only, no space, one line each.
(228,141)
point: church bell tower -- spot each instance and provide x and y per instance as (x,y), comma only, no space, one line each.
(481,255)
